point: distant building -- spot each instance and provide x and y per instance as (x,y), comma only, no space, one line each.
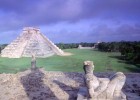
(96,45)
(80,47)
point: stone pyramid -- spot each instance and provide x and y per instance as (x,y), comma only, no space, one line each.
(31,41)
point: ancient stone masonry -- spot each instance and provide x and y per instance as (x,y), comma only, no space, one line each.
(33,63)
(81,47)
(31,41)
(38,84)
(101,88)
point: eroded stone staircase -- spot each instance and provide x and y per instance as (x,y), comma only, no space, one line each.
(30,42)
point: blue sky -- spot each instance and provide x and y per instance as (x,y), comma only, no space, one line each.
(70,21)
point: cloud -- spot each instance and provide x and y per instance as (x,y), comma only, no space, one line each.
(42,12)
(122,32)
(101,18)
(8,36)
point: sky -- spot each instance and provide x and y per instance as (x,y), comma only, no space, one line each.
(72,21)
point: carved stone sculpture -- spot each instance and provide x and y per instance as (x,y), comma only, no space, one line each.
(102,88)
(33,62)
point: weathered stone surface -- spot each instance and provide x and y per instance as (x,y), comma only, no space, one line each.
(38,84)
(102,88)
(80,47)
(33,63)
(31,41)
(64,85)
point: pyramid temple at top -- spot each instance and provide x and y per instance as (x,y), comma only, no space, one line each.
(31,42)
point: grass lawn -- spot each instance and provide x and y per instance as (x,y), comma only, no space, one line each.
(102,61)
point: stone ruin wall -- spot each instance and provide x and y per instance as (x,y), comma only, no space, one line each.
(81,47)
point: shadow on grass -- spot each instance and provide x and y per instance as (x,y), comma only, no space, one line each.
(35,88)
(117,57)
(136,67)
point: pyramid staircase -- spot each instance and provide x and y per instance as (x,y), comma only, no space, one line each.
(31,41)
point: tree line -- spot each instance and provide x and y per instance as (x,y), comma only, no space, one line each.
(74,45)
(129,50)
(2,46)
(62,45)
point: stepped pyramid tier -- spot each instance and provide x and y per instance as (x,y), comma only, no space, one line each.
(31,41)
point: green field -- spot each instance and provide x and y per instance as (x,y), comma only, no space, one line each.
(102,61)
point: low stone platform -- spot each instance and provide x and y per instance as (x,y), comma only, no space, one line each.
(41,84)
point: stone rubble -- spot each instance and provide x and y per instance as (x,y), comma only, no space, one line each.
(41,84)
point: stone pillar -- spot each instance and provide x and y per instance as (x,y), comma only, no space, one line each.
(88,68)
(33,62)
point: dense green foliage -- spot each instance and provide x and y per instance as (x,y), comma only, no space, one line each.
(62,45)
(103,61)
(74,45)
(2,46)
(129,50)
(67,46)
